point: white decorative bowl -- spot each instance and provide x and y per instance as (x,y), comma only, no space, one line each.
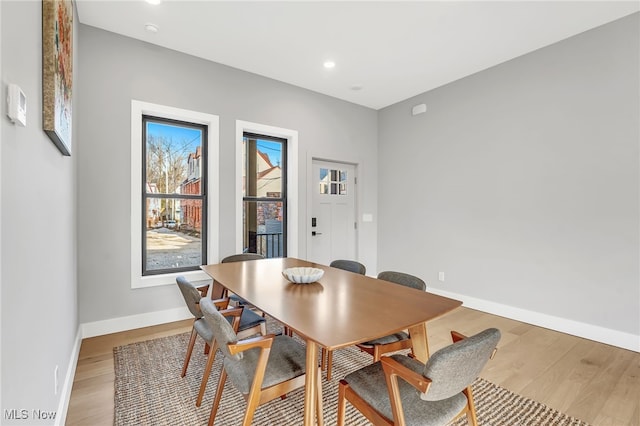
(303,275)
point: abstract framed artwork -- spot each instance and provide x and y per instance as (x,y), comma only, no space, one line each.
(57,71)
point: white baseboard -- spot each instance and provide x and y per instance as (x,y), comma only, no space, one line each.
(65,393)
(114,325)
(588,331)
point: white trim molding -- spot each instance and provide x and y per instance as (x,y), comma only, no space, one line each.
(138,108)
(575,328)
(67,386)
(292,179)
(131,322)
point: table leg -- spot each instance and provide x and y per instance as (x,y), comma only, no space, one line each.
(310,385)
(418,335)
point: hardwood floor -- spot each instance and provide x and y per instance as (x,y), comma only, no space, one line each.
(597,383)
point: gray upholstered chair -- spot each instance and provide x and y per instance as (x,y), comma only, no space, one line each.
(261,368)
(397,341)
(237,300)
(249,324)
(432,394)
(346,265)
(349,265)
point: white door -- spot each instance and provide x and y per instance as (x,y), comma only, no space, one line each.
(333,212)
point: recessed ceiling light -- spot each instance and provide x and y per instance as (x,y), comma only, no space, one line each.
(152,28)
(154,2)
(329,64)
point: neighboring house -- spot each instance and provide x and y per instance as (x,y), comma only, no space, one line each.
(268,177)
(269,185)
(153,206)
(191,210)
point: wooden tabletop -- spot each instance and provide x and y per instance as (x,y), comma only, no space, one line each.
(341,309)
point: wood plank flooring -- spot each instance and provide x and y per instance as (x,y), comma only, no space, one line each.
(597,383)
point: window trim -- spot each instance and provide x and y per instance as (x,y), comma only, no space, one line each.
(291,137)
(138,109)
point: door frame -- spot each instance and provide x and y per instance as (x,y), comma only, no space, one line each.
(356,203)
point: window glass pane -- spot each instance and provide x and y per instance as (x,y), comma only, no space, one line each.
(261,168)
(264,197)
(173,158)
(333,182)
(263,228)
(174,193)
(324,181)
(173,234)
(343,182)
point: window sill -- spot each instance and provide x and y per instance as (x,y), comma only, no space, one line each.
(168,279)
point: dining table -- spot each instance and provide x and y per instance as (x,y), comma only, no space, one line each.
(339,310)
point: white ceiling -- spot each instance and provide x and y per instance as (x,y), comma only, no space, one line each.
(391,50)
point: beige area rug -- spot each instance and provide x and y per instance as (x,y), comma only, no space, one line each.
(150,391)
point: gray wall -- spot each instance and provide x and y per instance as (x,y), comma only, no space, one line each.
(116,69)
(38,264)
(521,182)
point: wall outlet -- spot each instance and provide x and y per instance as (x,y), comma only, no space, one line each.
(441,276)
(55,380)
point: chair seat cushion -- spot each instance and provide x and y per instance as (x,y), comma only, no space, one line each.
(369,382)
(248,319)
(392,338)
(237,300)
(286,361)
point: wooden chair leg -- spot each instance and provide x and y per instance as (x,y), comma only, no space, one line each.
(206,373)
(216,399)
(472,418)
(342,402)
(192,342)
(253,401)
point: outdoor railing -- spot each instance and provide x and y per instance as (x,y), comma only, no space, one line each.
(270,245)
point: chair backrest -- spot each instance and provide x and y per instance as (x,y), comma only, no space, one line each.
(191,295)
(453,368)
(401,278)
(242,257)
(349,265)
(222,329)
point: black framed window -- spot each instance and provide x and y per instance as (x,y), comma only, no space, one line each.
(174,195)
(264,195)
